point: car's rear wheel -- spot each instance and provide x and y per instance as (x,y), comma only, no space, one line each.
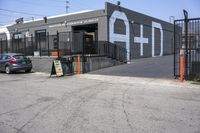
(28,71)
(8,71)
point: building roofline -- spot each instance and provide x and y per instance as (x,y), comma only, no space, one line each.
(50,17)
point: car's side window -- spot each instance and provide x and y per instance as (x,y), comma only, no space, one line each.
(5,57)
(8,57)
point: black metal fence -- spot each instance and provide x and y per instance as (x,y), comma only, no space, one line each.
(187,39)
(60,44)
(48,45)
(3,46)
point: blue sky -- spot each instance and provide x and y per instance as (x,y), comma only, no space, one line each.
(161,9)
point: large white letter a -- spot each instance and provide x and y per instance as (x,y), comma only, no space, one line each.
(120,37)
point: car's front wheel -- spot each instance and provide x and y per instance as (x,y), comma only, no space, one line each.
(8,71)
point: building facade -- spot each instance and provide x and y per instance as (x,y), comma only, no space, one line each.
(141,35)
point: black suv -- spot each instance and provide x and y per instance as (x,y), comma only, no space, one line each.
(12,62)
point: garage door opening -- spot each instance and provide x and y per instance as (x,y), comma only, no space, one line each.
(85,38)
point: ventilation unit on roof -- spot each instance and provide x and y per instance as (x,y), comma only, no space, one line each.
(19,20)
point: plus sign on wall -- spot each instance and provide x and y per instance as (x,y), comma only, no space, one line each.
(141,40)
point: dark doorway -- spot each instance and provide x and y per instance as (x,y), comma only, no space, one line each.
(40,40)
(16,43)
(85,38)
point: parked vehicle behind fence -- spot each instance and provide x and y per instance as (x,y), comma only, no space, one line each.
(13,62)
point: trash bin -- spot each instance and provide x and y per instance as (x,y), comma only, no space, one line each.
(70,64)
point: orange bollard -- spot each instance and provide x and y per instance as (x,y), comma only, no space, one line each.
(79,65)
(182,67)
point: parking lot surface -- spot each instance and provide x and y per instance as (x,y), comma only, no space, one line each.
(157,67)
(91,103)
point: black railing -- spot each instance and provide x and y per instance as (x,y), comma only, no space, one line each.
(60,44)
(4,46)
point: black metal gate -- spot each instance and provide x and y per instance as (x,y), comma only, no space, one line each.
(187,39)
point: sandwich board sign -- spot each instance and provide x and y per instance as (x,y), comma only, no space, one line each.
(57,68)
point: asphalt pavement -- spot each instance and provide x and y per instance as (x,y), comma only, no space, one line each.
(91,103)
(157,67)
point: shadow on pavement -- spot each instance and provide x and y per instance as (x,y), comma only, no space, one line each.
(156,67)
(19,72)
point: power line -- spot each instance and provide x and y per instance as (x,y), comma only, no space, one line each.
(3,23)
(7,10)
(74,6)
(82,3)
(6,15)
(39,4)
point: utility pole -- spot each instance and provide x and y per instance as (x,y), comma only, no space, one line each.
(67,6)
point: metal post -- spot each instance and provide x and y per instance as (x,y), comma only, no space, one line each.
(1,47)
(108,52)
(32,48)
(17,44)
(115,51)
(79,65)
(104,45)
(7,45)
(83,57)
(48,43)
(174,48)
(12,48)
(25,45)
(186,42)
(58,49)
(70,41)
(99,52)
(40,46)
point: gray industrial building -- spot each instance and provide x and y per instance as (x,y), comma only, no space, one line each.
(141,35)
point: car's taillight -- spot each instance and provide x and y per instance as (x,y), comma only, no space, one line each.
(12,60)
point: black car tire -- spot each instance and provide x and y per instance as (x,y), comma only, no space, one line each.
(7,69)
(28,71)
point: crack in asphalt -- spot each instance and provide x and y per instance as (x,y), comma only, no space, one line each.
(32,119)
(18,109)
(125,112)
(57,102)
(3,123)
(40,100)
(82,102)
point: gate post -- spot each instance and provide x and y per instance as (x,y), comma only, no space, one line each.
(174,48)
(48,43)
(25,45)
(58,48)
(186,42)
(32,48)
(40,46)
(79,65)
(182,64)
(83,57)
(17,51)
(7,45)
(1,47)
